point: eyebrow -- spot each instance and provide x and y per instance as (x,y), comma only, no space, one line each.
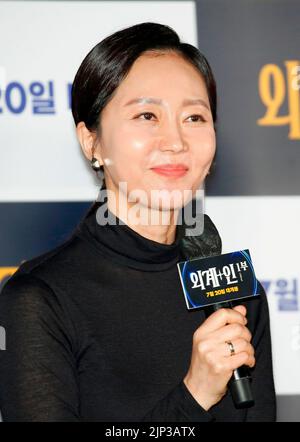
(150,100)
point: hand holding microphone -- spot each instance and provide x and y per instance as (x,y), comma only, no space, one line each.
(220,346)
(222,352)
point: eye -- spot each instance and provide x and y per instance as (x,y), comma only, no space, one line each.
(198,118)
(147,114)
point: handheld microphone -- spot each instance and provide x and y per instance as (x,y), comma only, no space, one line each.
(213,283)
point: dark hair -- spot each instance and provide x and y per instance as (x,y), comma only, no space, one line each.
(106,65)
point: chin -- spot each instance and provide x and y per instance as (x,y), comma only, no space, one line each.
(167,204)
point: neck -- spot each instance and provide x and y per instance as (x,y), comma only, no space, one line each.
(153,224)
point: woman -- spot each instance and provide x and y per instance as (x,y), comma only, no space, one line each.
(97,329)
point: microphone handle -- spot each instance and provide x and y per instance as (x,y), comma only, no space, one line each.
(240,382)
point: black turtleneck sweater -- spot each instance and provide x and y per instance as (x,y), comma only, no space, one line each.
(97,330)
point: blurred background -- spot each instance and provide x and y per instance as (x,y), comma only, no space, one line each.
(252,195)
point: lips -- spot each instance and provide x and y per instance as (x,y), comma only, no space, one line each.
(171,166)
(171,170)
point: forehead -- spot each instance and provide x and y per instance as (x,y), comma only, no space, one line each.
(161,74)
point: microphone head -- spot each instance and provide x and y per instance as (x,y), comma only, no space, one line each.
(209,243)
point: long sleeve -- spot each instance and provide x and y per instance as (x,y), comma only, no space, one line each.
(263,381)
(37,369)
(178,406)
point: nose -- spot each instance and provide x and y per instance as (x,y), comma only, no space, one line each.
(171,138)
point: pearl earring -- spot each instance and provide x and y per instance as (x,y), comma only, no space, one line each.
(95,164)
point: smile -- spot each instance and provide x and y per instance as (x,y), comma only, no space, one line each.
(175,170)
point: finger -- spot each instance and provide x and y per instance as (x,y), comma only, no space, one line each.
(237,361)
(220,318)
(239,345)
(241,309)
(232,332)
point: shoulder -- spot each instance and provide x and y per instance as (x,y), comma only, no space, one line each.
(26,295)
(54,269)
(30,310)
(54,257)
(34,287)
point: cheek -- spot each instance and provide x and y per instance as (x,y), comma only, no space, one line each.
(137,142)
(124,154)
(204,149)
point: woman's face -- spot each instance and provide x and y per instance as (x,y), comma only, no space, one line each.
(151,121)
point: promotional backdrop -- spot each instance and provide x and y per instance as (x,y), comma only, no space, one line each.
(253,194)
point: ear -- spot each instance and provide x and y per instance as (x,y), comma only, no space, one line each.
(87,140)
